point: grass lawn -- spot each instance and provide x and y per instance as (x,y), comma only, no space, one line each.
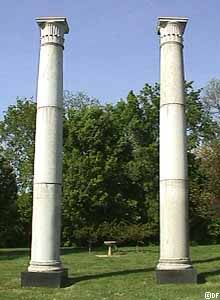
(127,277)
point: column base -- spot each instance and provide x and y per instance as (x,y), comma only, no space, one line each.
(176,276)
(52,279)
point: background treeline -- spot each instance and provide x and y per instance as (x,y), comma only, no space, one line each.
(111,168)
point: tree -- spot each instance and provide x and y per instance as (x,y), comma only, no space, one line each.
(17,140)
(17,131)
(201,132)
(200,125)
(211,98)
(110,163)
(92,173)
(78,100)
(9,225)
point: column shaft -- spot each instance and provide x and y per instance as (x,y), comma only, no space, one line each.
(46,223)
(174,241)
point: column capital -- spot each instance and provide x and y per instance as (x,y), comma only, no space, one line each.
(52,30)
(171,29)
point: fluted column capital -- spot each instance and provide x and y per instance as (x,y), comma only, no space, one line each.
(52,30)
(171,29)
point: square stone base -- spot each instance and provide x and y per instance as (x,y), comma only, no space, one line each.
(53,279)
(176,276)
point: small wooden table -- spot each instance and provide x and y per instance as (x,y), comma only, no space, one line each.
(110,244)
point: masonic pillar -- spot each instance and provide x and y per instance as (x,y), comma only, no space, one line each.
(174,264)
(45,267)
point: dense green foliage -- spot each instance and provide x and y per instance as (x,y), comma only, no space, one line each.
(8,207)
(111,166)
(111,159)
(17,132)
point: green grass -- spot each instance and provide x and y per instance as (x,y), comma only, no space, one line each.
(128,277)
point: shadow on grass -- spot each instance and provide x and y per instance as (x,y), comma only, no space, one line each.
(13,254)
(72,250)
(206,260)
(9,254)
(202,277)
(119,250)
(73,280)
(138,250)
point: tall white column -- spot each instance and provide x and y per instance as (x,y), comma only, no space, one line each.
(174,240)
(46,222)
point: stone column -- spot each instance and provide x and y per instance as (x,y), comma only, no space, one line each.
(45,267)
(174,264)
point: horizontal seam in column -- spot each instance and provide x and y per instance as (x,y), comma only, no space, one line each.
(181,259)
(48,183)
(52,106)
(45,262)
(172,103)
(174,179)
(171,42)
(54,44)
